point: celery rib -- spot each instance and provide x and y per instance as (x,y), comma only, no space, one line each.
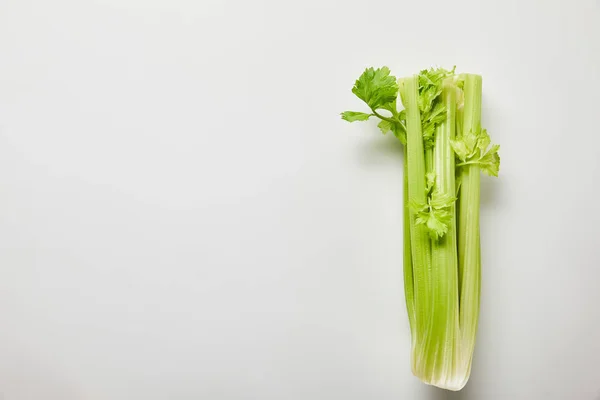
(420,245)
(409,291)
(444,275)
(469,265)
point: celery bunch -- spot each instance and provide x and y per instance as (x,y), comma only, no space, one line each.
(445,151)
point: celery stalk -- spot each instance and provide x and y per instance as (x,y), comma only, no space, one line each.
(429,159)
(409,291)
(469,265)
(445,152)
(444,337)
(419,238)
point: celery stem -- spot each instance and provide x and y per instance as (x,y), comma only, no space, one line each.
(469,263)
(419,237)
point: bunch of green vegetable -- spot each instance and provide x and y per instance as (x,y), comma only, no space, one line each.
(445,150)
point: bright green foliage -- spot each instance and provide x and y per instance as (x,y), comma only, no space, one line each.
(445,151)
(376,87)
(385,126)
(352,116)
(474,148)
(396,127)
(433,111)
(379,90)
(435,214)
(430,87)
(489,163)
(465,146)
(431,120)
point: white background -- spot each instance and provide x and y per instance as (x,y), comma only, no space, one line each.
(183,214)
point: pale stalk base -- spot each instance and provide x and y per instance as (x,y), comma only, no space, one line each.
(453,380)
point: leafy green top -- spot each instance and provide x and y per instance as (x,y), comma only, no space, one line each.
(436,214)
(376,87)
(433,111)
(379,90)
(474,148)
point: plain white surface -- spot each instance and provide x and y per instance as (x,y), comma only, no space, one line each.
(184,215)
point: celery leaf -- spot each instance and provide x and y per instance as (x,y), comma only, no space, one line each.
(483,140)
(352,116)
(433,111)
(466,146)
(474,148)
(376,87)
(396,127)
(379,90)
(441,201)
(435,215)
(436,222)
(385,126)
(490,161)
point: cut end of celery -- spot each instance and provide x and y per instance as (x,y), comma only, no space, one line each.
(454,384)
(448,380)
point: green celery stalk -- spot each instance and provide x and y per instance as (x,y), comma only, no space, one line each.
(443,340)
(419,237)
(409,291)
(429,159)
(469,264)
